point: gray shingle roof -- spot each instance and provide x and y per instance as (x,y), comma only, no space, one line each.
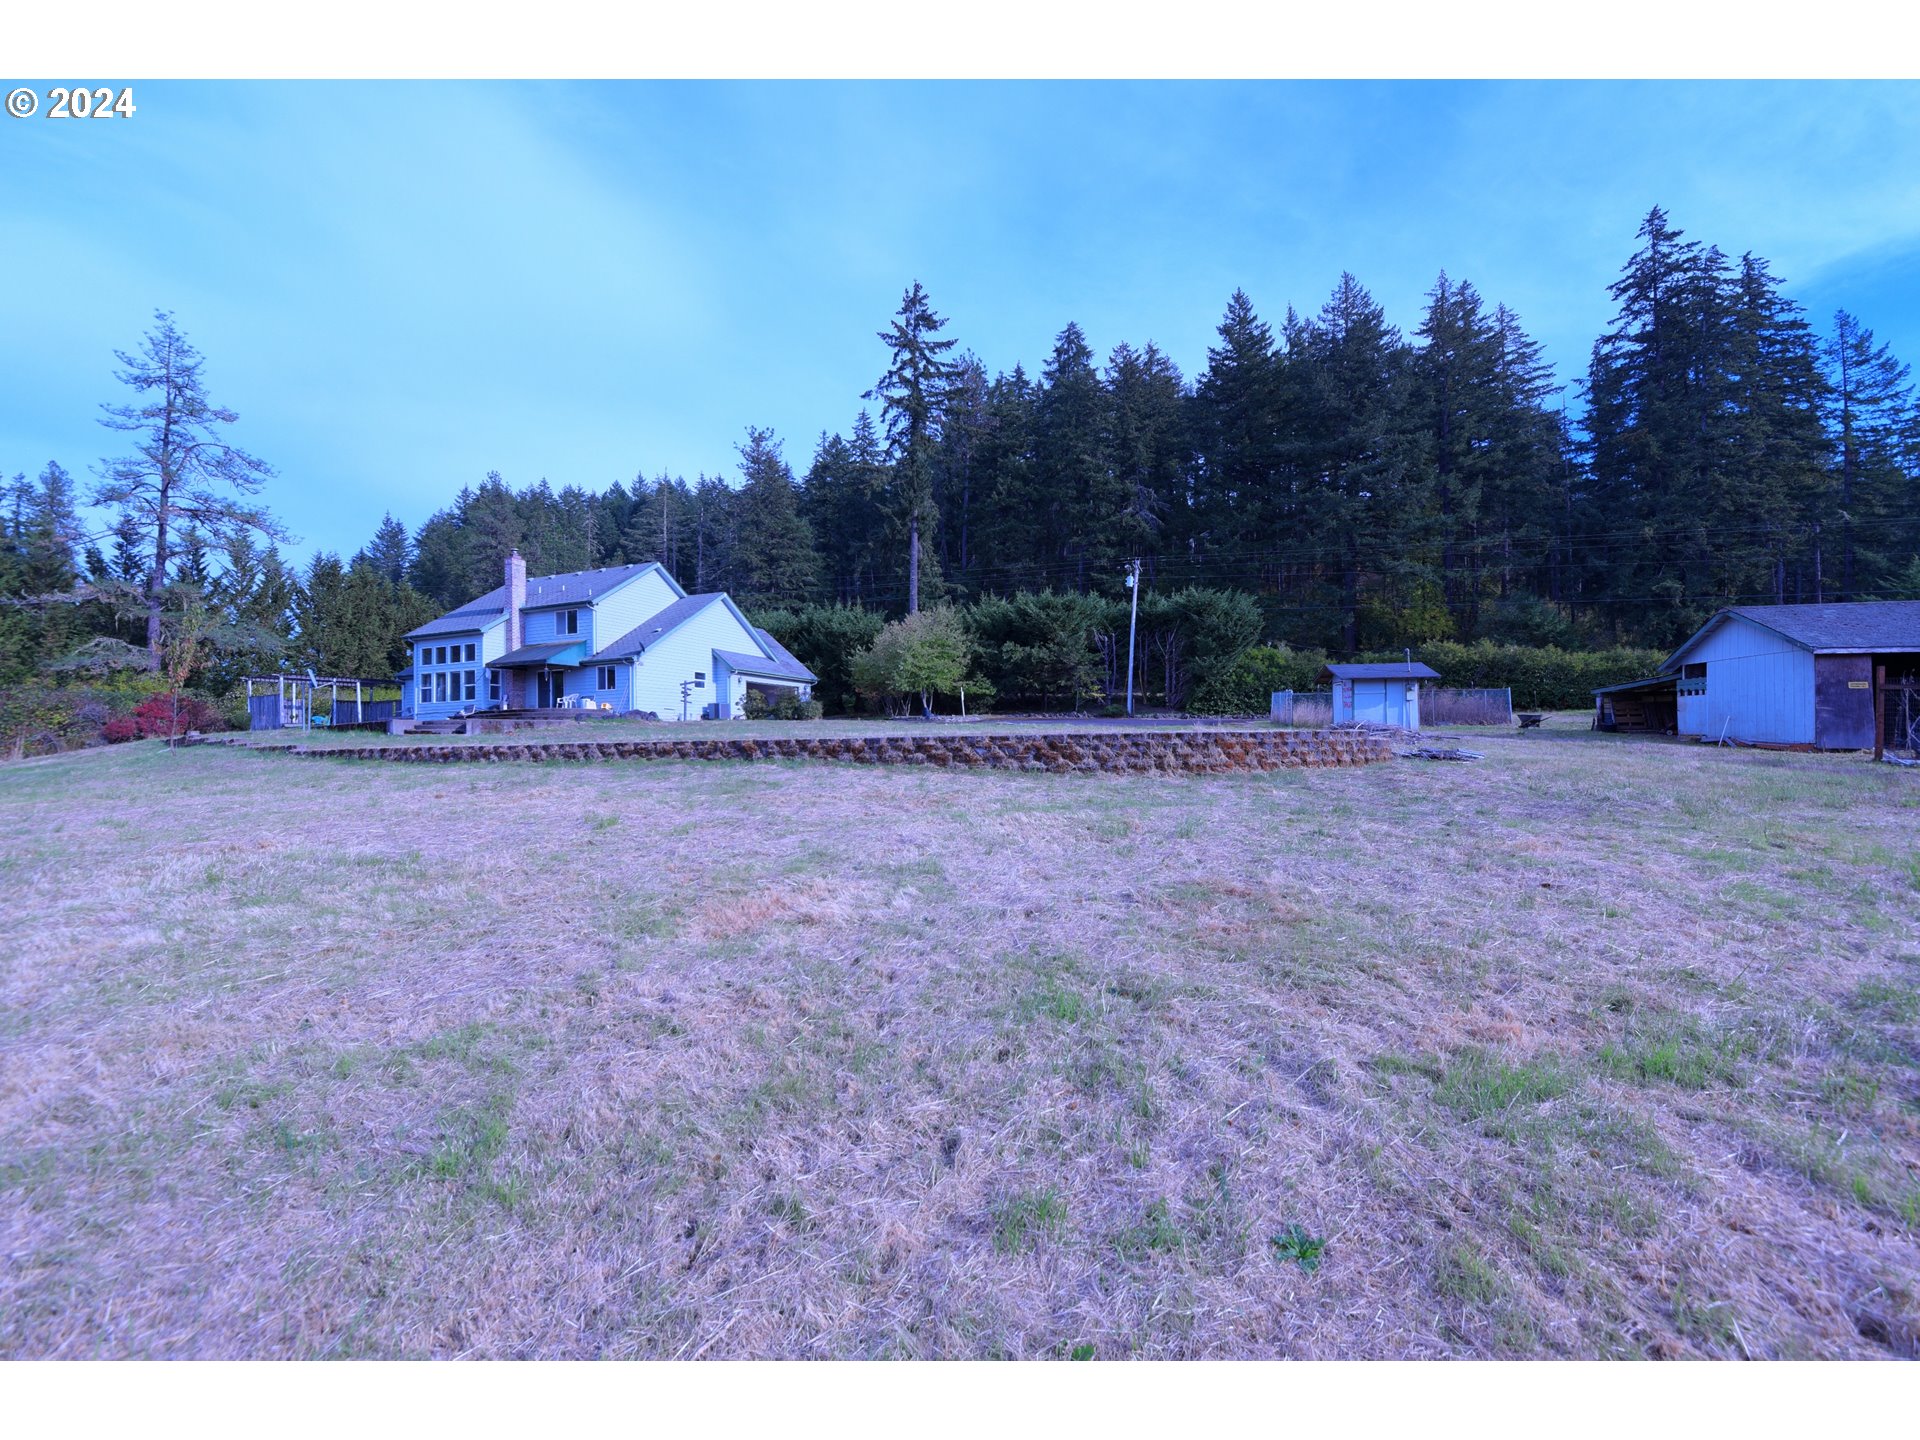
(781,667)
(575,587)
(654,626)
(1393,670)
(781,653)
(1853,625)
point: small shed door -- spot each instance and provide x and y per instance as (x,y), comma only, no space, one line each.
(1370,702)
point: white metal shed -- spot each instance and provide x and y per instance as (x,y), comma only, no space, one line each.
(1378,694)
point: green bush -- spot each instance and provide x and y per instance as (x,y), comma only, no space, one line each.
(825,638)
(46,719)
(1039,648)
(787,705)
(1247,686)
(1541,677)
(911,661)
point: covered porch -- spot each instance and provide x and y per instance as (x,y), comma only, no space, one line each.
(536,677)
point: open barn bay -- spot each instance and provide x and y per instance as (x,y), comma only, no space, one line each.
(1592,1048)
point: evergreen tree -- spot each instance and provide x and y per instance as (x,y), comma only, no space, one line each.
(842,503)
(1660,411)
(1006,540)
(1146,444)
(391,550)
(775,563)
(1361,503)
(1871,493)
(1237,423)
(1779,446)
(1085,505)
(183,469)
(911,393)
(964,421)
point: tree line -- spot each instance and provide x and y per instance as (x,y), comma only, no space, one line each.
(1361,487)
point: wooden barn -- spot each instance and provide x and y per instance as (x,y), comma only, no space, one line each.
(1807,676)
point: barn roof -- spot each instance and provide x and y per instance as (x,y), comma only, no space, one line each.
(1393,670)
(1847,627)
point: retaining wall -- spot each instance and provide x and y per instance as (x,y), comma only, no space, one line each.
(1120,753)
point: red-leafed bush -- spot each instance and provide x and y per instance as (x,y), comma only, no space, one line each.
(163,716)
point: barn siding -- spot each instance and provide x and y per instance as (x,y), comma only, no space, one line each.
(1759,684)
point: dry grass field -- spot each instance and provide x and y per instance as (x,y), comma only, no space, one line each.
(1595,1048)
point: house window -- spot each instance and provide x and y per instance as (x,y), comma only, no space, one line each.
(441,658)
(470,681)
(440,687)
(426,688)
(700,675)
(469,652)
(567,622)
(493,684)
(605,679)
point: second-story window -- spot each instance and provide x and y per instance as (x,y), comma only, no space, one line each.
(567,622)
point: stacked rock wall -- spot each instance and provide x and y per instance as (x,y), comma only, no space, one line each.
(1115,752)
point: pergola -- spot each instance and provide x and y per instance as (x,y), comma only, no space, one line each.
(296,694)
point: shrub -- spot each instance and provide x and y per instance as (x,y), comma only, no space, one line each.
(1541,677)
(1247,686)
(1040,646)
(46,719)
(825,638)
(917,658)
(786,705)
(166,716)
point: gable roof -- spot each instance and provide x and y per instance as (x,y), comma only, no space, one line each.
(780,667)
(785,656)
(575,587)
(656,626)
(1846,627)
(1393,670)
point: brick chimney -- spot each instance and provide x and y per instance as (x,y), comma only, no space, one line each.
(516,599)
(513,692)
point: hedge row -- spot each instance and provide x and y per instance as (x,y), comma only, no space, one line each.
(1542,677)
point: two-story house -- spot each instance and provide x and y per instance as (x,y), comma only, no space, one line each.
(628,638)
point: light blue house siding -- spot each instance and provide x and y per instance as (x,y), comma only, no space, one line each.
(624,638)
(687,653)
(447,666)
(1759,686)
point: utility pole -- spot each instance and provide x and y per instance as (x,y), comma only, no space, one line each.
(1133,618)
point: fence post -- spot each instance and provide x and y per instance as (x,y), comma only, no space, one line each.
(1879,711)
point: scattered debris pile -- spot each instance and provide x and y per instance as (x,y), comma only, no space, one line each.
(1436,752)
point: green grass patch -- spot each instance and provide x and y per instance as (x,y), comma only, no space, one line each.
(1023,1219)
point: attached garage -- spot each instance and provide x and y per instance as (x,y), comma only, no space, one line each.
(1378,694)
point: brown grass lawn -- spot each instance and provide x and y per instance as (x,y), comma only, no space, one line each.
(1598,1047)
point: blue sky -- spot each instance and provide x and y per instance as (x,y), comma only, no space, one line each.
(401,287)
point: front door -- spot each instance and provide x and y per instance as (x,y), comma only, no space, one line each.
(1370,702)
(553,684)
